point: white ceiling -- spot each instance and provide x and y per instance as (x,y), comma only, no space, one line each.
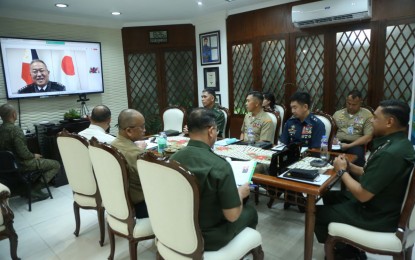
(134,12)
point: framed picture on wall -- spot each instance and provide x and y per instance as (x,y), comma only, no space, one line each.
(218,99)
(209,48)
(211,76)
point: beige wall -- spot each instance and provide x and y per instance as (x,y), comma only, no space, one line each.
(52,109)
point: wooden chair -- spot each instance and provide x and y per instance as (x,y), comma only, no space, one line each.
(283,114)
(174,118)
(110,169)
(74,152)
(6,221)
(329,124)
(276,125)
(176,225)
(11,175)
(399,244)
(227,115)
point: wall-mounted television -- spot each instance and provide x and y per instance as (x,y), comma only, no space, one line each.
(73,68)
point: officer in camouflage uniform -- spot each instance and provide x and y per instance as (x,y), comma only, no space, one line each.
(208,102)
(40,76)
(12,139)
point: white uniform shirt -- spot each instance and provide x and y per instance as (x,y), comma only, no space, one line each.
(97,132)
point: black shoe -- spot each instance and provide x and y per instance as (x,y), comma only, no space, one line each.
(287,205)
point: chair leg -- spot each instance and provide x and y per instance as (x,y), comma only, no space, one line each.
(257,253)
(29,195)
(408,252)
(256,189)
(133,249)
(77,218)
(13,243)
(329,247)
(46,185)
(112,243)
(158,256)
(101,223)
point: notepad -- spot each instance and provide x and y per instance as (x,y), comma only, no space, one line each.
(243,171)
(226,141)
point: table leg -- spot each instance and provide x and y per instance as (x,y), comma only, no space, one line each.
(310,219)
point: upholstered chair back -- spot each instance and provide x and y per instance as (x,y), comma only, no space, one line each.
(226,114)
(276,125)
(173,118)
(329,124)
(73,149)
(111,175)
(173,206)
(282,110)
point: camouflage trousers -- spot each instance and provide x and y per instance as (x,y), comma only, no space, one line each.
(48,167)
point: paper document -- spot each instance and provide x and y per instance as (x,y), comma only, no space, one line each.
(243,171)
(226,141)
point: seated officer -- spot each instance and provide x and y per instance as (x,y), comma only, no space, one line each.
(222,214)
(303,127)
(208,101)
(256,119)
(354,126)
(375,202)
(12,139)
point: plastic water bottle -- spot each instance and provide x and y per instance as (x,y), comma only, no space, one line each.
(250,136)
(324,148)
(161,143)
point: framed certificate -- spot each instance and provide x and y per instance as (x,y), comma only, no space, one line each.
(211,76)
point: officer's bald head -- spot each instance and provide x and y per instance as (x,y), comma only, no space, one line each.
(6,112)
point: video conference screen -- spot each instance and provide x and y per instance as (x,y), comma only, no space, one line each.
(41,68)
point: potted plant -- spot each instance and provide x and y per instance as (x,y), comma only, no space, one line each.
(71,115)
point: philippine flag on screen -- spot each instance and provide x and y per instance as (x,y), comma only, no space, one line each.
(28,56)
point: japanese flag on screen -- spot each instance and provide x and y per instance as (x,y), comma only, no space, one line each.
(68,75)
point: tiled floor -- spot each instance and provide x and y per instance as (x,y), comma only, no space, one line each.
(47,232)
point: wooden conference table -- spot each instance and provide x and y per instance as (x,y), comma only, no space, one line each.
(313,193)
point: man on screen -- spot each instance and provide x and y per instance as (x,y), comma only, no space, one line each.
(40,76)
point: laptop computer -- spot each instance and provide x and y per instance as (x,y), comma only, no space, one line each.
(282,159)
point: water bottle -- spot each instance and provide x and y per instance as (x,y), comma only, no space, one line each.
(250,136)
(324,148)
(161,143)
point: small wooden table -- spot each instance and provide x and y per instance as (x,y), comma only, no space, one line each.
(313,192)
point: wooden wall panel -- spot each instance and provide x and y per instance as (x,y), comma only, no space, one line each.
(275,22)
(137,38)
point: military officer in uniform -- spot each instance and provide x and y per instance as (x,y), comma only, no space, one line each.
(354,126)
(208,101)
(40,76)
(375,202)
(256,119)
(222,214)
(303,127)
(12,139)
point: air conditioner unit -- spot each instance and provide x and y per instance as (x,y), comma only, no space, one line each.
(330,11)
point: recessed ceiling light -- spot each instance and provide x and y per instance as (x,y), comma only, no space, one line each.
(229,0)
(199,3)
(61,5)
(116,13)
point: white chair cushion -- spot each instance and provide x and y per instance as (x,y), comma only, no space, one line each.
(274,124)
(282,114)
(225,115)
(244,242)
(142,227)
(173,119)
(3,188)
(84,201)
(386,241)
(327,124)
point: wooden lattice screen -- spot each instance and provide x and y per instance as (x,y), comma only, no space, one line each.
(242,72)
(310,67)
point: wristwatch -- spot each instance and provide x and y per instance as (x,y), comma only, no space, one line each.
(340,172)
